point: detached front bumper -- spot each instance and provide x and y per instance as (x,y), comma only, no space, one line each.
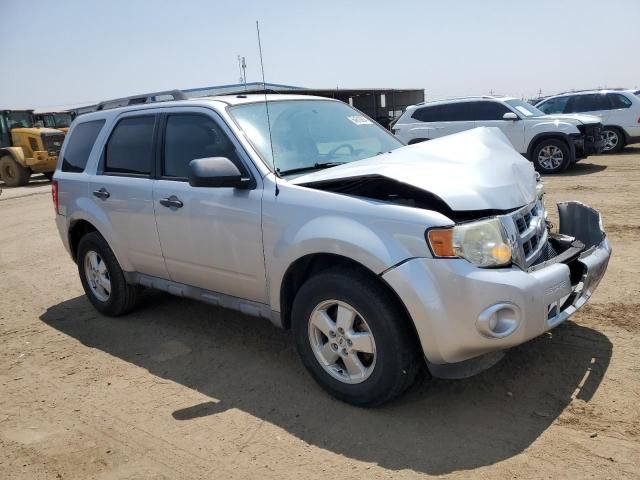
(462,312)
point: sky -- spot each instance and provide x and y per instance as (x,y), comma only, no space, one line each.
(66,53)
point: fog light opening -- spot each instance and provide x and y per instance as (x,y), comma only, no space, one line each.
(499,320)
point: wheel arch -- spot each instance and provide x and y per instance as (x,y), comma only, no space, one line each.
(625,135)
(311,264)
(16,152)
(535,141)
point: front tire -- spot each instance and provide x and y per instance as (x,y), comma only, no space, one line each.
(102,278)
(613,140)
(13,174)
(551,156)
(353,339)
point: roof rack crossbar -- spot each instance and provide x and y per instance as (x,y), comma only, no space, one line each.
(141,99)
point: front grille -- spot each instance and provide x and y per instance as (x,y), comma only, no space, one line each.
(527,232)
(53,142)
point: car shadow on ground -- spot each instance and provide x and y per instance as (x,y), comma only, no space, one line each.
(581,168)
(437,427)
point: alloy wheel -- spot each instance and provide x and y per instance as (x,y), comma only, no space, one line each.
(611,140)
(550,157)
(342,341)
(97,275)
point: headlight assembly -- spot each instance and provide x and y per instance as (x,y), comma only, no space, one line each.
(482,243)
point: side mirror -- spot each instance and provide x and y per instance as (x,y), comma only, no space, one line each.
(510,116)
(215,172)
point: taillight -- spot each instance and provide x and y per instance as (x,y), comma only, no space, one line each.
(638,119)
(54,195)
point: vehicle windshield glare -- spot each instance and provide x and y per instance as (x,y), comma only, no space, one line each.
(525,108)
(311,134)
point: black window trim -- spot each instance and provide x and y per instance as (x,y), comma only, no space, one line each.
(215,117)
(154,146)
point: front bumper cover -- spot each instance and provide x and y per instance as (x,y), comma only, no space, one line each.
(448,299)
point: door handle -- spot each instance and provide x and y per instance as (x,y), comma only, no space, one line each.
(102,194)
(171,202)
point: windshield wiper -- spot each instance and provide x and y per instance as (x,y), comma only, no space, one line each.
(315,166)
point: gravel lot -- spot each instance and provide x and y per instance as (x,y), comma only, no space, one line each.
(179,389)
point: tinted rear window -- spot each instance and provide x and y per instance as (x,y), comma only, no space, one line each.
(79,146)
(618,101)
(425,114)
(130,147)
(587,103)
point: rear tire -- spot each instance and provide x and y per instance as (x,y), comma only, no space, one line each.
(13,174)
(614,140)
(102,278)
(368,363)
(551,156)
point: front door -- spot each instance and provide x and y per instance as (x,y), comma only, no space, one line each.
(211,237)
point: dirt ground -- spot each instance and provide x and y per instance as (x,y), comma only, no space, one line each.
(181,390)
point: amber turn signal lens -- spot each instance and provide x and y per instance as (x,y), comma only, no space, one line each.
(441,241)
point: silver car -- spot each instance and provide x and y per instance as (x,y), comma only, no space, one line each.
(382,258)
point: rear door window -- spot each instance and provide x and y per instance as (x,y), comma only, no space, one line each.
(455,112)
(590,102)
(130,147)
(190,136)
(79,145)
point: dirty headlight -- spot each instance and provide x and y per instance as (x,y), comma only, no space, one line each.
(482,243)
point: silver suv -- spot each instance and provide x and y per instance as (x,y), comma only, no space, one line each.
(304,211)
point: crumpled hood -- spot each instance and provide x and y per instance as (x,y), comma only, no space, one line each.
(579,118)
(473,170)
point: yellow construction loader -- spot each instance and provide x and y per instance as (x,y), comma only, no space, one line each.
(26,148)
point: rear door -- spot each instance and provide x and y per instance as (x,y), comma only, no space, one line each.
(212,239)
(123,190)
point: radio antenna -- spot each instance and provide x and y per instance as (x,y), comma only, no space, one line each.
(266,106)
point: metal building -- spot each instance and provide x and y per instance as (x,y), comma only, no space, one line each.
(381,104)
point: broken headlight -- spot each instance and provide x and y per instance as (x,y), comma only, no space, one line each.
(482,243)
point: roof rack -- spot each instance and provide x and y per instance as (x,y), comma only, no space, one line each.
(617,89)
(142,99)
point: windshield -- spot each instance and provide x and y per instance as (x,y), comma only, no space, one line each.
(19,119)
(311,134)
(525,108)
(62,120)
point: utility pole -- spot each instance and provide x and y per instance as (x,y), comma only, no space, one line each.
(242,68)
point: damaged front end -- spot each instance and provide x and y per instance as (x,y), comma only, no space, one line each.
(580,243)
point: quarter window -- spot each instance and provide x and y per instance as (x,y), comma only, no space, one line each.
(79,145)
(192,136)
(130,147)
(618,101)
(425,114)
